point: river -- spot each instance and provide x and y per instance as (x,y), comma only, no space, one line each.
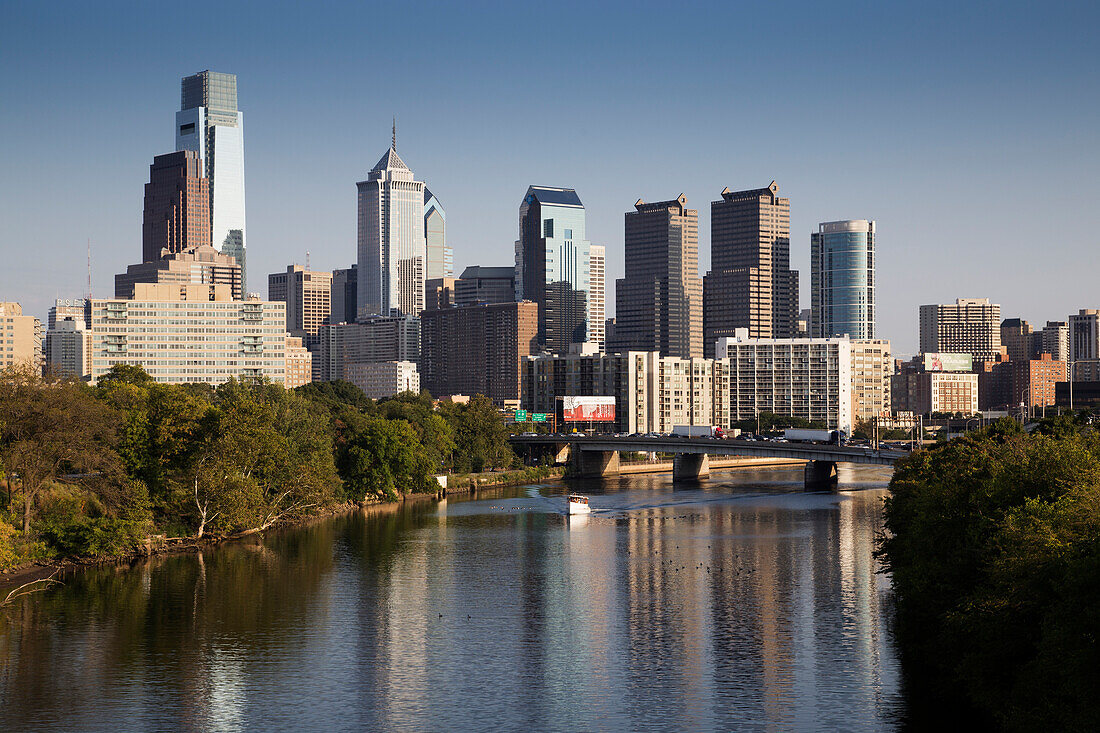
(743,603)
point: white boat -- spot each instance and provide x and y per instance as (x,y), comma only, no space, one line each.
(579,504)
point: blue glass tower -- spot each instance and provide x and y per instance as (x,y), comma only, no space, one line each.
(842,279)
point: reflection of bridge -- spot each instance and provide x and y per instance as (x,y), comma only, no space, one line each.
(599,456)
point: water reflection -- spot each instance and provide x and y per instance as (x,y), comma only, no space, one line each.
(741,603)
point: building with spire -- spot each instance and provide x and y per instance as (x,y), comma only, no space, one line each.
(210,124)
(553,262)
(392,244)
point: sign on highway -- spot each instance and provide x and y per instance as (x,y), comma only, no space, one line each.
(538,417)
(521,415)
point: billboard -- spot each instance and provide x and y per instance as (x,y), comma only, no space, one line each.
(948,363)
(588,409)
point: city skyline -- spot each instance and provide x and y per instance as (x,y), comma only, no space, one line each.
(918,140)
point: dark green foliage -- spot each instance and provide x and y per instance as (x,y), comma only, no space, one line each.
(94,537)
(383,458)
(994,546)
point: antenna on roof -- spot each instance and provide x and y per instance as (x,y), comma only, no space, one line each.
(308,268)
(393,141)
(88,292)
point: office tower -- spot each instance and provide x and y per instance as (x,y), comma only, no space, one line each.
(1018,339)
(189,333)
(201,265)
(345,295)
(299,363)
(476,349)
(392,248)
(552,264)
(210,124)
(69,348)
(177,206)
(308,298)
(842,279)
(76,308)
(967,326)
(597,293)
(659,304)
(872,367)
(20,337)
(750,283)
(479,284)
(440,256)
(1054,340)
(439,292)
(807,378)
(1084,335)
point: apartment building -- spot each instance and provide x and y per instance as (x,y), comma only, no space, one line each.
(20,337)
(872,368)
(380,379)
(299,363)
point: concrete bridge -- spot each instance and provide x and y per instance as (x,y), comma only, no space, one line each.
(595,455)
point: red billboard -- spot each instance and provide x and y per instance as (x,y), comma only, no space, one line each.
(588,409)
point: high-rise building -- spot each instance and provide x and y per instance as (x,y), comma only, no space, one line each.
(308,298)
(553,263)
(69,348)
(1018,340)
(872,367)
(750,283)
(440,255)
(597,294)
(967,326)
(210,124)
(440,292)
(380,379)
(189,333)
(1054,340)
(344,297)
(20,337)
(177,206)
(299,363)
(77,308)
(479,284)
(202,265)
(842,279)
(659,304)
(1084,335)
(392,247)
(375,339)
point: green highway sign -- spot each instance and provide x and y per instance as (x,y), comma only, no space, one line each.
(521,415)
(538,417)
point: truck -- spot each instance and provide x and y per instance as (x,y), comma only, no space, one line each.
(698,431)
(803,435)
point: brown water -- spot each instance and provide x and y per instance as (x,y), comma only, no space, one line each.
(743,604)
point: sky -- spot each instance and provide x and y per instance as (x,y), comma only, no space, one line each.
(967,131)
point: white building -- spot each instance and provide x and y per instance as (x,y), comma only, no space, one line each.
(808,378)
(380,379)
(20,337)
(392,245)
(597,292)
(210,123)
(872,368)
(1084,335)
(69,348)
(190,333)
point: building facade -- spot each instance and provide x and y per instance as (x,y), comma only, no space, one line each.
(69,348)
(922,390)
(439,292)
(842,279)
(20,338)
(969,325)
(597,295)
(1054,340)
(479,284)
(299,363)
(659,304)
(872,368)
(750,284)
(176,215)
(1034,380)
(62,308)
(1018,339)
(344,296)
(379,379)
(308,298)
(375,339)
(440,256)
(202,265)
(805,378)
(210,124)
(189,333)
(392,245)
(1084,335)
(553,265)
(477,349)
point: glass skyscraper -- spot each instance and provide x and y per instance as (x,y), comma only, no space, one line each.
(210,123)
(441,259)
(842,279)
(553,261)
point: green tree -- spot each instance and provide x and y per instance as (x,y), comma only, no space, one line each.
(383,458)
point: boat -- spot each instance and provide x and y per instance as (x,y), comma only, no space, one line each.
(579,504)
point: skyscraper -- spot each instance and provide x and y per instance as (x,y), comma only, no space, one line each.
(392,246)
(553,260)
(750,284)
(842,279)
(441,258)
(967,326)
(210,124)
(597,292)
(659,304)
(308,298)
(176,216)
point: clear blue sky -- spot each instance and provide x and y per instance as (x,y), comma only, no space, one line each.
(967,130)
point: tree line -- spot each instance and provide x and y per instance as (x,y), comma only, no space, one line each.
(993,542)
(96,470)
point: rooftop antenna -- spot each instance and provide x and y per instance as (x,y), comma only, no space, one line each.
(88,292)
(393,140)
(308,268)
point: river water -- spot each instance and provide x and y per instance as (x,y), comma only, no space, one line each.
(740,604)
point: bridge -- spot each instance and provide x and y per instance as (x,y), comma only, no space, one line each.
(597,455)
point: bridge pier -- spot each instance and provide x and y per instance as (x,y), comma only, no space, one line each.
(820,476)
(690,466)
(594,463)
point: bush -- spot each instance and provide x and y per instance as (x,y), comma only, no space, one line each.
(94,537)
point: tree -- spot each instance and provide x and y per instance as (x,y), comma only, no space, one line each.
(383,458)
(481,437)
